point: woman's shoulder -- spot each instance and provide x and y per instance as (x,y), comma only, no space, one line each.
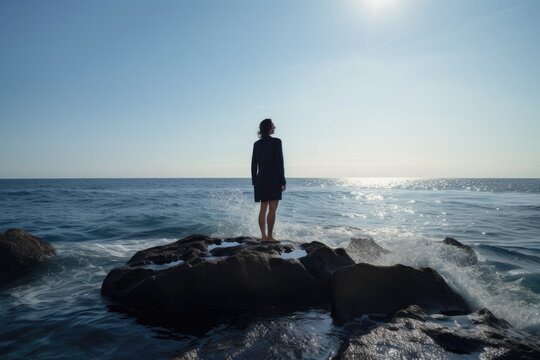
(267,138)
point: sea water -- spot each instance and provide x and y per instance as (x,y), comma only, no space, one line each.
(98,224)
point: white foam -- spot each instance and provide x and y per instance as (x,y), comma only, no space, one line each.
(116,248)
(163,266)
(480,285)
(78,269)
(224,244)
(518,272)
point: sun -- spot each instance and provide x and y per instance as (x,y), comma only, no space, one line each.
(376,8)
(379,4)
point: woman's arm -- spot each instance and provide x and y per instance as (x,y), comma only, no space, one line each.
(280,164)
(253,167)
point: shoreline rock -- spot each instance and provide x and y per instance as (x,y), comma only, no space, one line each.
(370,289)
(471,258)
(215,277)
(365,249)
(20,252)
(413,333)
(197,282)
(218,277)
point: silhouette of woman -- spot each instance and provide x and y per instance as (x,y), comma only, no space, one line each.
(267,177)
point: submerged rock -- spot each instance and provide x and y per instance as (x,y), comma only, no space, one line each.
(412,333)
(470,255)
(20,252)
(365,249)
(200,276)
(369,289)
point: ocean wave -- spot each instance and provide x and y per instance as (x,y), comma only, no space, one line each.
(511,254)
(482,285)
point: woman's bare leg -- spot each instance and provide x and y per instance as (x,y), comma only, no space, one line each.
(272,218)
(262,219)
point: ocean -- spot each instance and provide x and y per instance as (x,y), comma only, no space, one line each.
(98,224)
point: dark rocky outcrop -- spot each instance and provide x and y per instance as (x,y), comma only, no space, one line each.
(470,255)
(195,282)
(20,252)
(212,277)
(321,262)
(414,334)
(365,249)
(368,289)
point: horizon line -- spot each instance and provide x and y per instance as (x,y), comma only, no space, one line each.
(290,177)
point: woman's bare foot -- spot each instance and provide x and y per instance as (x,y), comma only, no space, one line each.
(271,240)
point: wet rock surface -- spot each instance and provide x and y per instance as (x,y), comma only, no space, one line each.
(365,249)
(379,312)
(212,277)
(414,334)
(369,289)
(20,252)
(470,258)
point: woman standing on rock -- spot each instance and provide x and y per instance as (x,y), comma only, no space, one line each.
(267,177)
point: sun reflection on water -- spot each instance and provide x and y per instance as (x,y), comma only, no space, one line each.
(376,182)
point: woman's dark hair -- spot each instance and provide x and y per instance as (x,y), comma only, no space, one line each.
(265,127)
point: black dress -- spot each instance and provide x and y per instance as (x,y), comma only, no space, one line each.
(267,169)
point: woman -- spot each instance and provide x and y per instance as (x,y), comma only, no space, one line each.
(267,177)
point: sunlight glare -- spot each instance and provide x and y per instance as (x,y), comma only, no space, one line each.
(379,4)
(376,8)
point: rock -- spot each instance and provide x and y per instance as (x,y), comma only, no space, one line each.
(200,276)
(365,250)
(412,333)
(470,255)
(369,289)
(321,262)
(20,252)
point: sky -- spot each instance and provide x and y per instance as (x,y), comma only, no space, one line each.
(404,88)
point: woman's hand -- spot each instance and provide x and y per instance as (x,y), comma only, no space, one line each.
(283,188)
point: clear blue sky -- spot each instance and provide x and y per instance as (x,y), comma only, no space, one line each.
(131,88)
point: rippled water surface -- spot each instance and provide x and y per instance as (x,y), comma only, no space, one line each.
(97,225)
